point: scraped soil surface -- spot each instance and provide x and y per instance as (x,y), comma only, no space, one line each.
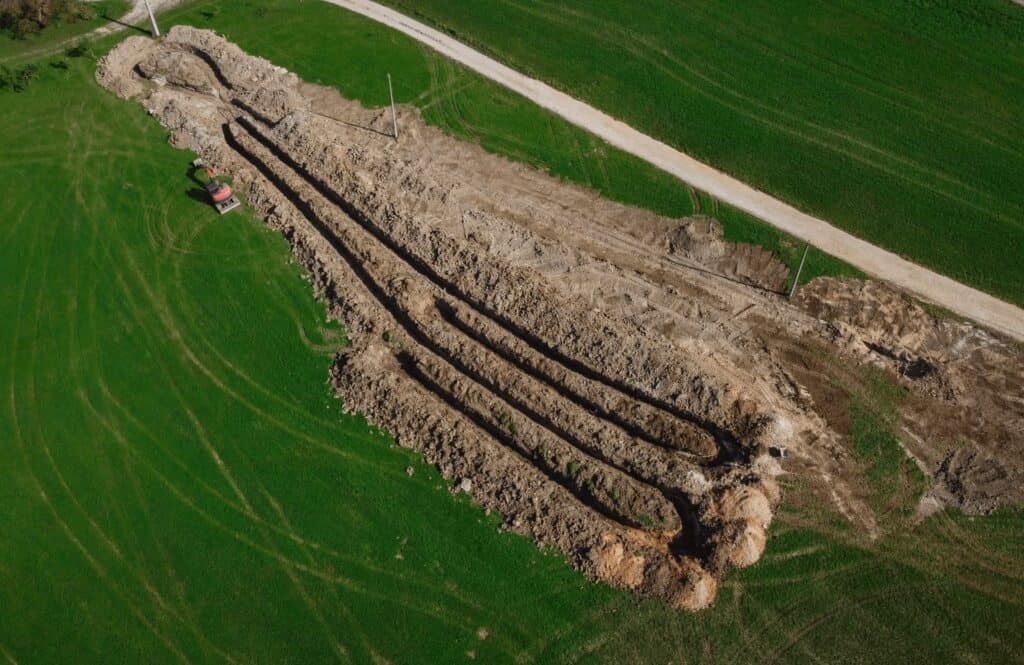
(611,381)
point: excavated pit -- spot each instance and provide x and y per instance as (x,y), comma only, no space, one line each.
(591,370)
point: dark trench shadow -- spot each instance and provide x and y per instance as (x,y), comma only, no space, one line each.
(127,26)
(354,125)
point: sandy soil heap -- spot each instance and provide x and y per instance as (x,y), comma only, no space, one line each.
(594,372)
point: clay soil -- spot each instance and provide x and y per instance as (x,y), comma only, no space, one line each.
(612,382)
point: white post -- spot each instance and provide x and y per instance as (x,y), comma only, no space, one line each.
(152,20)
(394,114)
(796,280)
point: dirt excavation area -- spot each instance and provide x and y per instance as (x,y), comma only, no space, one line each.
(616,384)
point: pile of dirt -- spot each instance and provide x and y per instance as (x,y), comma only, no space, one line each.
(702,240)
(976,482)
(964,414)
(606,378)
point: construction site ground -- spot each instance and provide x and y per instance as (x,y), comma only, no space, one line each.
(619,385)
(180,484)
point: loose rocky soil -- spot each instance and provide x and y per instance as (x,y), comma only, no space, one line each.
(611,381)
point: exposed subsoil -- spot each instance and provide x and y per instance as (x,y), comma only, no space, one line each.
(611,381)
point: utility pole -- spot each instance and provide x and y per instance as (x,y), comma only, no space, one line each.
(796,280)
(394,114)
(152,21)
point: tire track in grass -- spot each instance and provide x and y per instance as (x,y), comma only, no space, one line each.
(75,376)
(437,93)
(7,655)
(736,603)
(452,116)
(158,442)
(737,29)
(327,350)
(970,549)
(773,620)
(226,473)
(989,573)
(186,614)
(822,576)
(176,336)
(350,619)
(169,245)
(11,225)
(598,156)
(175,489)
(184,302)
(776,620)
(429,612)
(91,560)
(569,633)
(797,636)
(792,554)
(257,519)
(294,536)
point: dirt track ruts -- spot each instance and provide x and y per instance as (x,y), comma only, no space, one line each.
(926,284)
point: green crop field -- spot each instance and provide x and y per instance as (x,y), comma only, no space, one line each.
(901,121)
(177,482)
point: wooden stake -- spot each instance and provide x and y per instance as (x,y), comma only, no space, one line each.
(796,280)
(152,21)
(394,114)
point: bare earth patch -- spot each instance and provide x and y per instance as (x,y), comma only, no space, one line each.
(611,381)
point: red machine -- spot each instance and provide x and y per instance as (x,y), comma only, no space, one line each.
(224,200)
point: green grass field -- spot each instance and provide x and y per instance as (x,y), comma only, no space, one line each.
(178,483)
(902,121)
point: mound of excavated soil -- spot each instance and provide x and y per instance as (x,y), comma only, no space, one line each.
(965,413)
(598,374)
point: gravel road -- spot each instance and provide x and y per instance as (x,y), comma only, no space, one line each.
(875,261)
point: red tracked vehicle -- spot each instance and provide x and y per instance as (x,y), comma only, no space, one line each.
(223,199)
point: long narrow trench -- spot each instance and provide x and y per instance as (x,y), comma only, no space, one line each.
(638,419)
(636,504)
(728,448)
(653,464)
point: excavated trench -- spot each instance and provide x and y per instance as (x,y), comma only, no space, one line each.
(644,461)
(448,370)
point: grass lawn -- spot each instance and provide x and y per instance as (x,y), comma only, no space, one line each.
(177,482)
(13,51)
(902,121)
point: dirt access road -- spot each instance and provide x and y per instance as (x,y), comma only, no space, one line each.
(875,261)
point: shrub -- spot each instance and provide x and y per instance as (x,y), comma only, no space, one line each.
(79,49)
(24,17)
